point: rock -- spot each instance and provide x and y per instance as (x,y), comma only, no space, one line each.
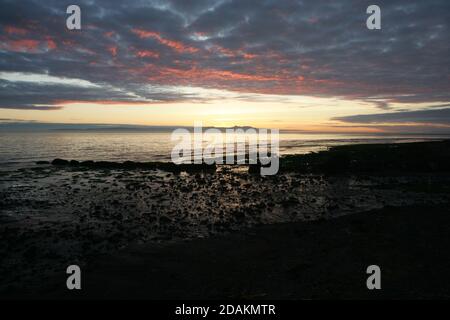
(42,162)
(60,162)
(165,220)
(185,189)
(74,162)
(254,168)
(129,164)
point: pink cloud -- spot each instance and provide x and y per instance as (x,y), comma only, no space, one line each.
(175,45)
(113,50)
(15,30)
(147,54)
(24,45)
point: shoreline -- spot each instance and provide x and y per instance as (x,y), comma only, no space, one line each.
(423,156)
(165,164)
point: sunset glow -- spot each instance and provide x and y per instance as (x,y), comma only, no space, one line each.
(161,67)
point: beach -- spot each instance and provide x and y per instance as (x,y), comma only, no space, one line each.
(218,233)
(290,261)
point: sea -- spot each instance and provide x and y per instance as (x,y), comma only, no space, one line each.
(24,149)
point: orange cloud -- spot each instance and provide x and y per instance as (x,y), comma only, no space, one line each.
(222,51)
(175,45)
(147,54)
(109,34)
(207,74)
(113,50)
(145,33)
(231,53)
(51,44)
(15,30)
(24,45)
(249,56)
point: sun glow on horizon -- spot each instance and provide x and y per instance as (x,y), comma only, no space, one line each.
(213,107)
(184,105)
(306,111)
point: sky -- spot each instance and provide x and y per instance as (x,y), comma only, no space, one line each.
(294,65)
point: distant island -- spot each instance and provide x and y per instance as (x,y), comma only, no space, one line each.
(19,125)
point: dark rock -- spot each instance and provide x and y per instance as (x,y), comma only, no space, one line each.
(165,220)
(42,162)
(254,168)
(60,162)
(129,164)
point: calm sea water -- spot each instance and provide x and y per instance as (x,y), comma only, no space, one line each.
(25,148)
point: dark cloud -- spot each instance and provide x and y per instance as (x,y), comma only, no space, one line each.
(25,95)
(433,116)
(318,48)
(380,104)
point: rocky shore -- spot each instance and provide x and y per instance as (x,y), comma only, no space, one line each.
(53,215)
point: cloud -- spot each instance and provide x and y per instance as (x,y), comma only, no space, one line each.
(28,92)
(380,104)
(311,48)
(433,116)
(44,79)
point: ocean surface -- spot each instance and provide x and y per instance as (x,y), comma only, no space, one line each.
(23,149)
